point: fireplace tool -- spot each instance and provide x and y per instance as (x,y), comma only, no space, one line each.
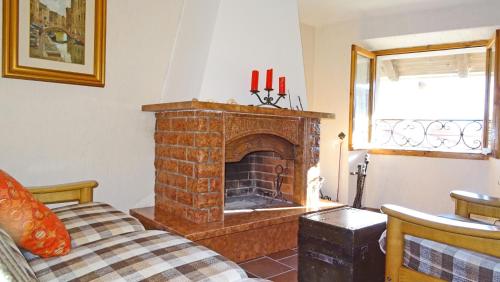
(279,181)
(360,184)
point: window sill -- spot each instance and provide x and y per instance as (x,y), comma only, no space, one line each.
(429,154)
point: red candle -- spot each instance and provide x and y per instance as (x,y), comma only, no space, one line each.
(269,79)
(282,85)
(255,81)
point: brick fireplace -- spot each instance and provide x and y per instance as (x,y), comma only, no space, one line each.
(217,168)
(208,153)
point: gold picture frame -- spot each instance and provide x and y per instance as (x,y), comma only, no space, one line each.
(13,66)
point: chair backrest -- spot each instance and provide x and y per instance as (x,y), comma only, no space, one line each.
(480,238)
(467,203)
(81,192)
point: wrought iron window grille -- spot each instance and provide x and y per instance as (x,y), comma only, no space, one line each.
(425,134)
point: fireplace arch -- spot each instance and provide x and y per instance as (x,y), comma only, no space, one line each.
(240,147)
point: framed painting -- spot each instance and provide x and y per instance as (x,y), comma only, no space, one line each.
(60,41)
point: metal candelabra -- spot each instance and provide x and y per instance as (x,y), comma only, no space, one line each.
(268,100)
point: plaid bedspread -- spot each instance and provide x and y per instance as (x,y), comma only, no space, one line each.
(447,262)
(13,266)
(94,221)
(138,256)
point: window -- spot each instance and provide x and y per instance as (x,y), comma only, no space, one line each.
(435,100)
(361,96)
(431,101)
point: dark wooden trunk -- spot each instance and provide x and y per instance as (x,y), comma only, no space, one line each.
(341,245)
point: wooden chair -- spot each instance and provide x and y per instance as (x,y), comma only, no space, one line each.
(81,192)
(480,238)
(467,203)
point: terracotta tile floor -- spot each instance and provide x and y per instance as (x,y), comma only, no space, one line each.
(280,266)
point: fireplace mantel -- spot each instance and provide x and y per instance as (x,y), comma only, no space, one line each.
(198,105)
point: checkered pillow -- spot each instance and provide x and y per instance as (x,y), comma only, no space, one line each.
(90,222)
(13,266)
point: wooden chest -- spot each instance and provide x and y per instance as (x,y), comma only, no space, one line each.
(341,245)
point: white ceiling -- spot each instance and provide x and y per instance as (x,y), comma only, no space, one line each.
(402,41)
(323,12)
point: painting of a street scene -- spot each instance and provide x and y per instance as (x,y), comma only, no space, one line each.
(57,30)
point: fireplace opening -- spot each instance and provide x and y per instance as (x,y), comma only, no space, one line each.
(259,180)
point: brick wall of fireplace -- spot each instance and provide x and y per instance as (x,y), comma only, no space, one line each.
(189,165)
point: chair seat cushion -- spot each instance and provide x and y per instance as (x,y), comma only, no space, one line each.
(449,263)
(139,256)
(90,222)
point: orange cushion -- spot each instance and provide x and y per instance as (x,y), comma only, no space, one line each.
(29,222)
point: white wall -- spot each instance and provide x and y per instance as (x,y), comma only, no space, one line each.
(221,42)
(308,35)
(478,13)
(494,178)
(167,50)
(420,183)
(331,94)
(53,133)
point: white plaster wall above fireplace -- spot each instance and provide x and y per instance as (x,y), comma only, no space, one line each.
(220,42)
(191,48)
(256,34)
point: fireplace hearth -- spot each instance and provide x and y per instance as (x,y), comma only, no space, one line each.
(255,202)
